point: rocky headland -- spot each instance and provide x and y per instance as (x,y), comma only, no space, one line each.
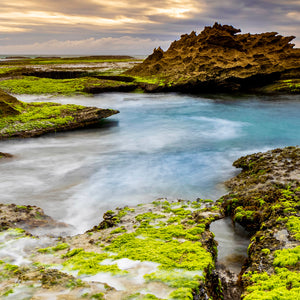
(164,249)
(221,59)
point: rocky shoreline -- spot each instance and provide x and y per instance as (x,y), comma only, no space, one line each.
(165,250)
(217,60)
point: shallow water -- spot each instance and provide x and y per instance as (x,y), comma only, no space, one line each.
(160,145)
(233,242)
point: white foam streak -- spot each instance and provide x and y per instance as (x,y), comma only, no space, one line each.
(17,250)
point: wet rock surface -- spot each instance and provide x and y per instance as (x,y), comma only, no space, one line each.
(220,59)
(160,250)
(164,249)
(26,217)
(265,200)
(5,155)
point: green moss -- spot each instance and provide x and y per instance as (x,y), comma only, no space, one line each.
(118,230)
(72,252)
(186,255)
(149,297)
(15,232)
(290,85)
(88,263)
(197,204)
(8,292)
(175,219)
(284,284)
(139,296)
(23,207)
(287,257)
(36,85)
(11,268)
(180,212)
(74,283)
(148,216)
(240,213)
(123,212)
(176,279)
(170,232)
(58,247)
(99,296)
(182,294)
(38,115)
(7,70)
(150,80)
(266,251)
(293,225)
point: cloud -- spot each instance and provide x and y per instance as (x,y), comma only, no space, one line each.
(39,21)
(295,15)
(109,45)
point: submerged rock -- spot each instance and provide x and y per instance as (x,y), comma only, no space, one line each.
(220,59)
(5,155)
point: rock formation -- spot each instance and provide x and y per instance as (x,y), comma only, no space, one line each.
(221,59)
(20,120)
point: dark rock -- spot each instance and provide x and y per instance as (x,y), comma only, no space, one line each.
(5,155)
(27,217)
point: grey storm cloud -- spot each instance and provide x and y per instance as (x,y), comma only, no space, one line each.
(35,25)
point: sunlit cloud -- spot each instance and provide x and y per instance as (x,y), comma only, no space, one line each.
(295,15)
(12,29)
(40,21)
(177,9)
(40,17)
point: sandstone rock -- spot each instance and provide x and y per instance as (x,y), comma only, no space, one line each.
(220,59)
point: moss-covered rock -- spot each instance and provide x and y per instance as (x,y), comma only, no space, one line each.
(152,258)
(9,105)
(35,119)
(265,199)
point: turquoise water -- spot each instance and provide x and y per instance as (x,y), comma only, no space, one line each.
(160,145)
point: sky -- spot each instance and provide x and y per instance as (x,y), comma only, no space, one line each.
(134,27)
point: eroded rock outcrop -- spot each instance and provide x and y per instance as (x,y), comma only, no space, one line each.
(220,59)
